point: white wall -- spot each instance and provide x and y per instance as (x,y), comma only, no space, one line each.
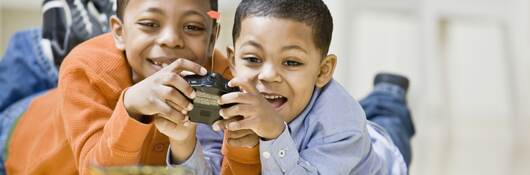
(467,61)
(17,15)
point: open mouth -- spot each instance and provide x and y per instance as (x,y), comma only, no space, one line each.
(275,100)
(160,63)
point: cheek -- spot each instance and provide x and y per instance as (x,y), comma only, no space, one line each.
(135,48)
(302,89)
(241,70)
(198,41)
(301,86)
(301,95)
(302,80)
(199,47)
(133,57)
(136,44)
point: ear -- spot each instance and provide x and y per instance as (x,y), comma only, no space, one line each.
(116,27)
(327,67)
(231,56)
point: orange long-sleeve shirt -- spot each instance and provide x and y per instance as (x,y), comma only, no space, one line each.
(239,160)
(83,121)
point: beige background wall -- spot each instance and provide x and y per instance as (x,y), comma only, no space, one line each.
(468,61)
(16,15)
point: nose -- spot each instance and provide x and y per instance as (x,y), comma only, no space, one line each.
(170,38)
(268,73)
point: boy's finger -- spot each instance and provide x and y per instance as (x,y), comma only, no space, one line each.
(235,98)
(168,112)
(186,73)
(218,125)
(221,124)
(245,84)
(174,98)
(171,129)
(176,81)
(240,124)
(168,118)
(163,124)
(177,107)
(182,64)
(179,102)
(236,110)
(239,133)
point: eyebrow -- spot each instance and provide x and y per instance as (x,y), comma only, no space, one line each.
(252,43)
(194,12)
(154,10)
(160,11)
(293,47)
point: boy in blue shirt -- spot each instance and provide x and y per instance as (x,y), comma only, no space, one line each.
(306,122)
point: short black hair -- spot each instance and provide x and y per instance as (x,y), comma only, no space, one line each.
(313,13)
(121,4)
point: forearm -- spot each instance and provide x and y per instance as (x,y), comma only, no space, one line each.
(197,162)
(181,150)
(115,142)
(337,153)
(206,154)
(281,156)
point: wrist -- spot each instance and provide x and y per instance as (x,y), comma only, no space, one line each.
(276,132)
(181,150)
(131,110)
(183,133)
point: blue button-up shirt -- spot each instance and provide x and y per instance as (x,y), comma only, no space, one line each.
(331,136)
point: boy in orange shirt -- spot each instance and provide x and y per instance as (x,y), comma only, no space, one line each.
(120,95)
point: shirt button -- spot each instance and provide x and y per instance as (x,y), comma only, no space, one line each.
(281,153)
(159,147)
(266,155)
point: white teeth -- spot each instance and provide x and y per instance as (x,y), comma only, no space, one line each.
(272,97)
(161,64)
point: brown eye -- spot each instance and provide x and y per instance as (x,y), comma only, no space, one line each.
(193,28)
(252,60)
(291,63)
(148,24)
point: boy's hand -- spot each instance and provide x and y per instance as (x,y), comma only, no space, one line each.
(258,114)
(175,130)
(240,138)
(164,95)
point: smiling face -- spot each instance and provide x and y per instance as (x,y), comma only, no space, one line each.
(281,56)
(155,33)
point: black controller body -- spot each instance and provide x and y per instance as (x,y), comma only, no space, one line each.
(209,89)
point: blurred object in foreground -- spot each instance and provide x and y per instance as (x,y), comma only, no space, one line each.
(137,170)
